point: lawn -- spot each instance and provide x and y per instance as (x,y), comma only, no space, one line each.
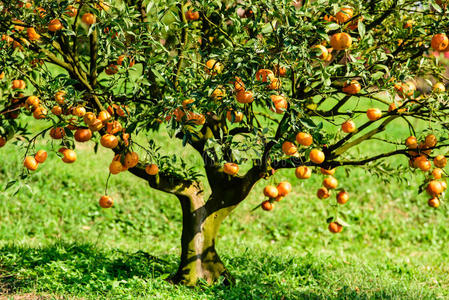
(55,241)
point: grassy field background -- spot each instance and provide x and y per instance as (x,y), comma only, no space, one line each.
(55,240)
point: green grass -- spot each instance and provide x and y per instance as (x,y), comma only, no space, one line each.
(55,240)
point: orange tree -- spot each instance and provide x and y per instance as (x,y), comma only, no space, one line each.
(261,85)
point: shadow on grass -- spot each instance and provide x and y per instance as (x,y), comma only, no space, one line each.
(86,271)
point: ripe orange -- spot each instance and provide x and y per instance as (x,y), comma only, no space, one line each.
(198,119)
(342,197)
(231,168)
(321,51)
(434,202)
(335,227)
(32,102)
(219,93)
(57,110)
(89,118)
(60,97)
(303,172)
(192,15)
(289,148)
(405,89)
(341,41)
(243,96)
(30,163)
(54,25)
(69,156)
(264,75)
(440,161)
(267,205)
(280,70)
(214,67)
(79,111)
(278,198)
(40,113)
(284,188)
(115,167)
(330,182)
(348,126)
(18,84)
(41,156)
(88,19)
(270,191)
(322,193)
(437,173)
(106,202)
(104,116)
(275,84)
(327,172)
(352,88)
(344,15)
(122,57)
(411,142)
(111,69)
(96,125)
(424,165)
(131,159)
(317,156)
(83,135)
(238,84)
(439,42)
(430,141)
(57,133)
(109,141)
(152,169)
(304,139)
(32,34)
(434,188)
(439,87)
(280,103)
(373,114)
(236,115)
(71,11)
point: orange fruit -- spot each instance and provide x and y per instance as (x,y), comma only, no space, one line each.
(57,110)
(198,119)
(122,57)
(104,116)
(115,167)
(330,182)
(192,15)
(71,11)
(106,202)
(32,34)
(111,69)
(214,67)
(113,127)
(89,118)
(344,15)
(434,188)
(270,191)
(437,173)
(234,116)
(69,156)
(284,188)
(231,168)
(57,133)
(264,75)
(335,227)
(440,161)
(275,84)
(41,156)
(434,202)
(304,139)
(342,197)
(439,42)
(322,193)
(373,114)
(280,70)
(88,19)
(243,96)
(303,172)
(289,148)
(430,141)
(30,163)
(352,88)
(32,102)
(405,89)
(109,141)
(18,84)
(411,142)
(83,135)
(131,159)
(327,172)
(317,156)
(54,25)
(341,41)
(439,87)
(424,165)
(60,97)
(348,126)
(96,125)
(238,84)
(280,103)
(219,93)
(79,111)
(152,169)
(267,205)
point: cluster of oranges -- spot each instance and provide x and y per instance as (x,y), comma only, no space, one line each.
(420,158)
(275,193)
(32,162)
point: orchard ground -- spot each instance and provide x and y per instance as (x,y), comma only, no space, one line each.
(56,240)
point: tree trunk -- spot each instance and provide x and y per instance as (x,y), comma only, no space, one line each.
(199,258)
